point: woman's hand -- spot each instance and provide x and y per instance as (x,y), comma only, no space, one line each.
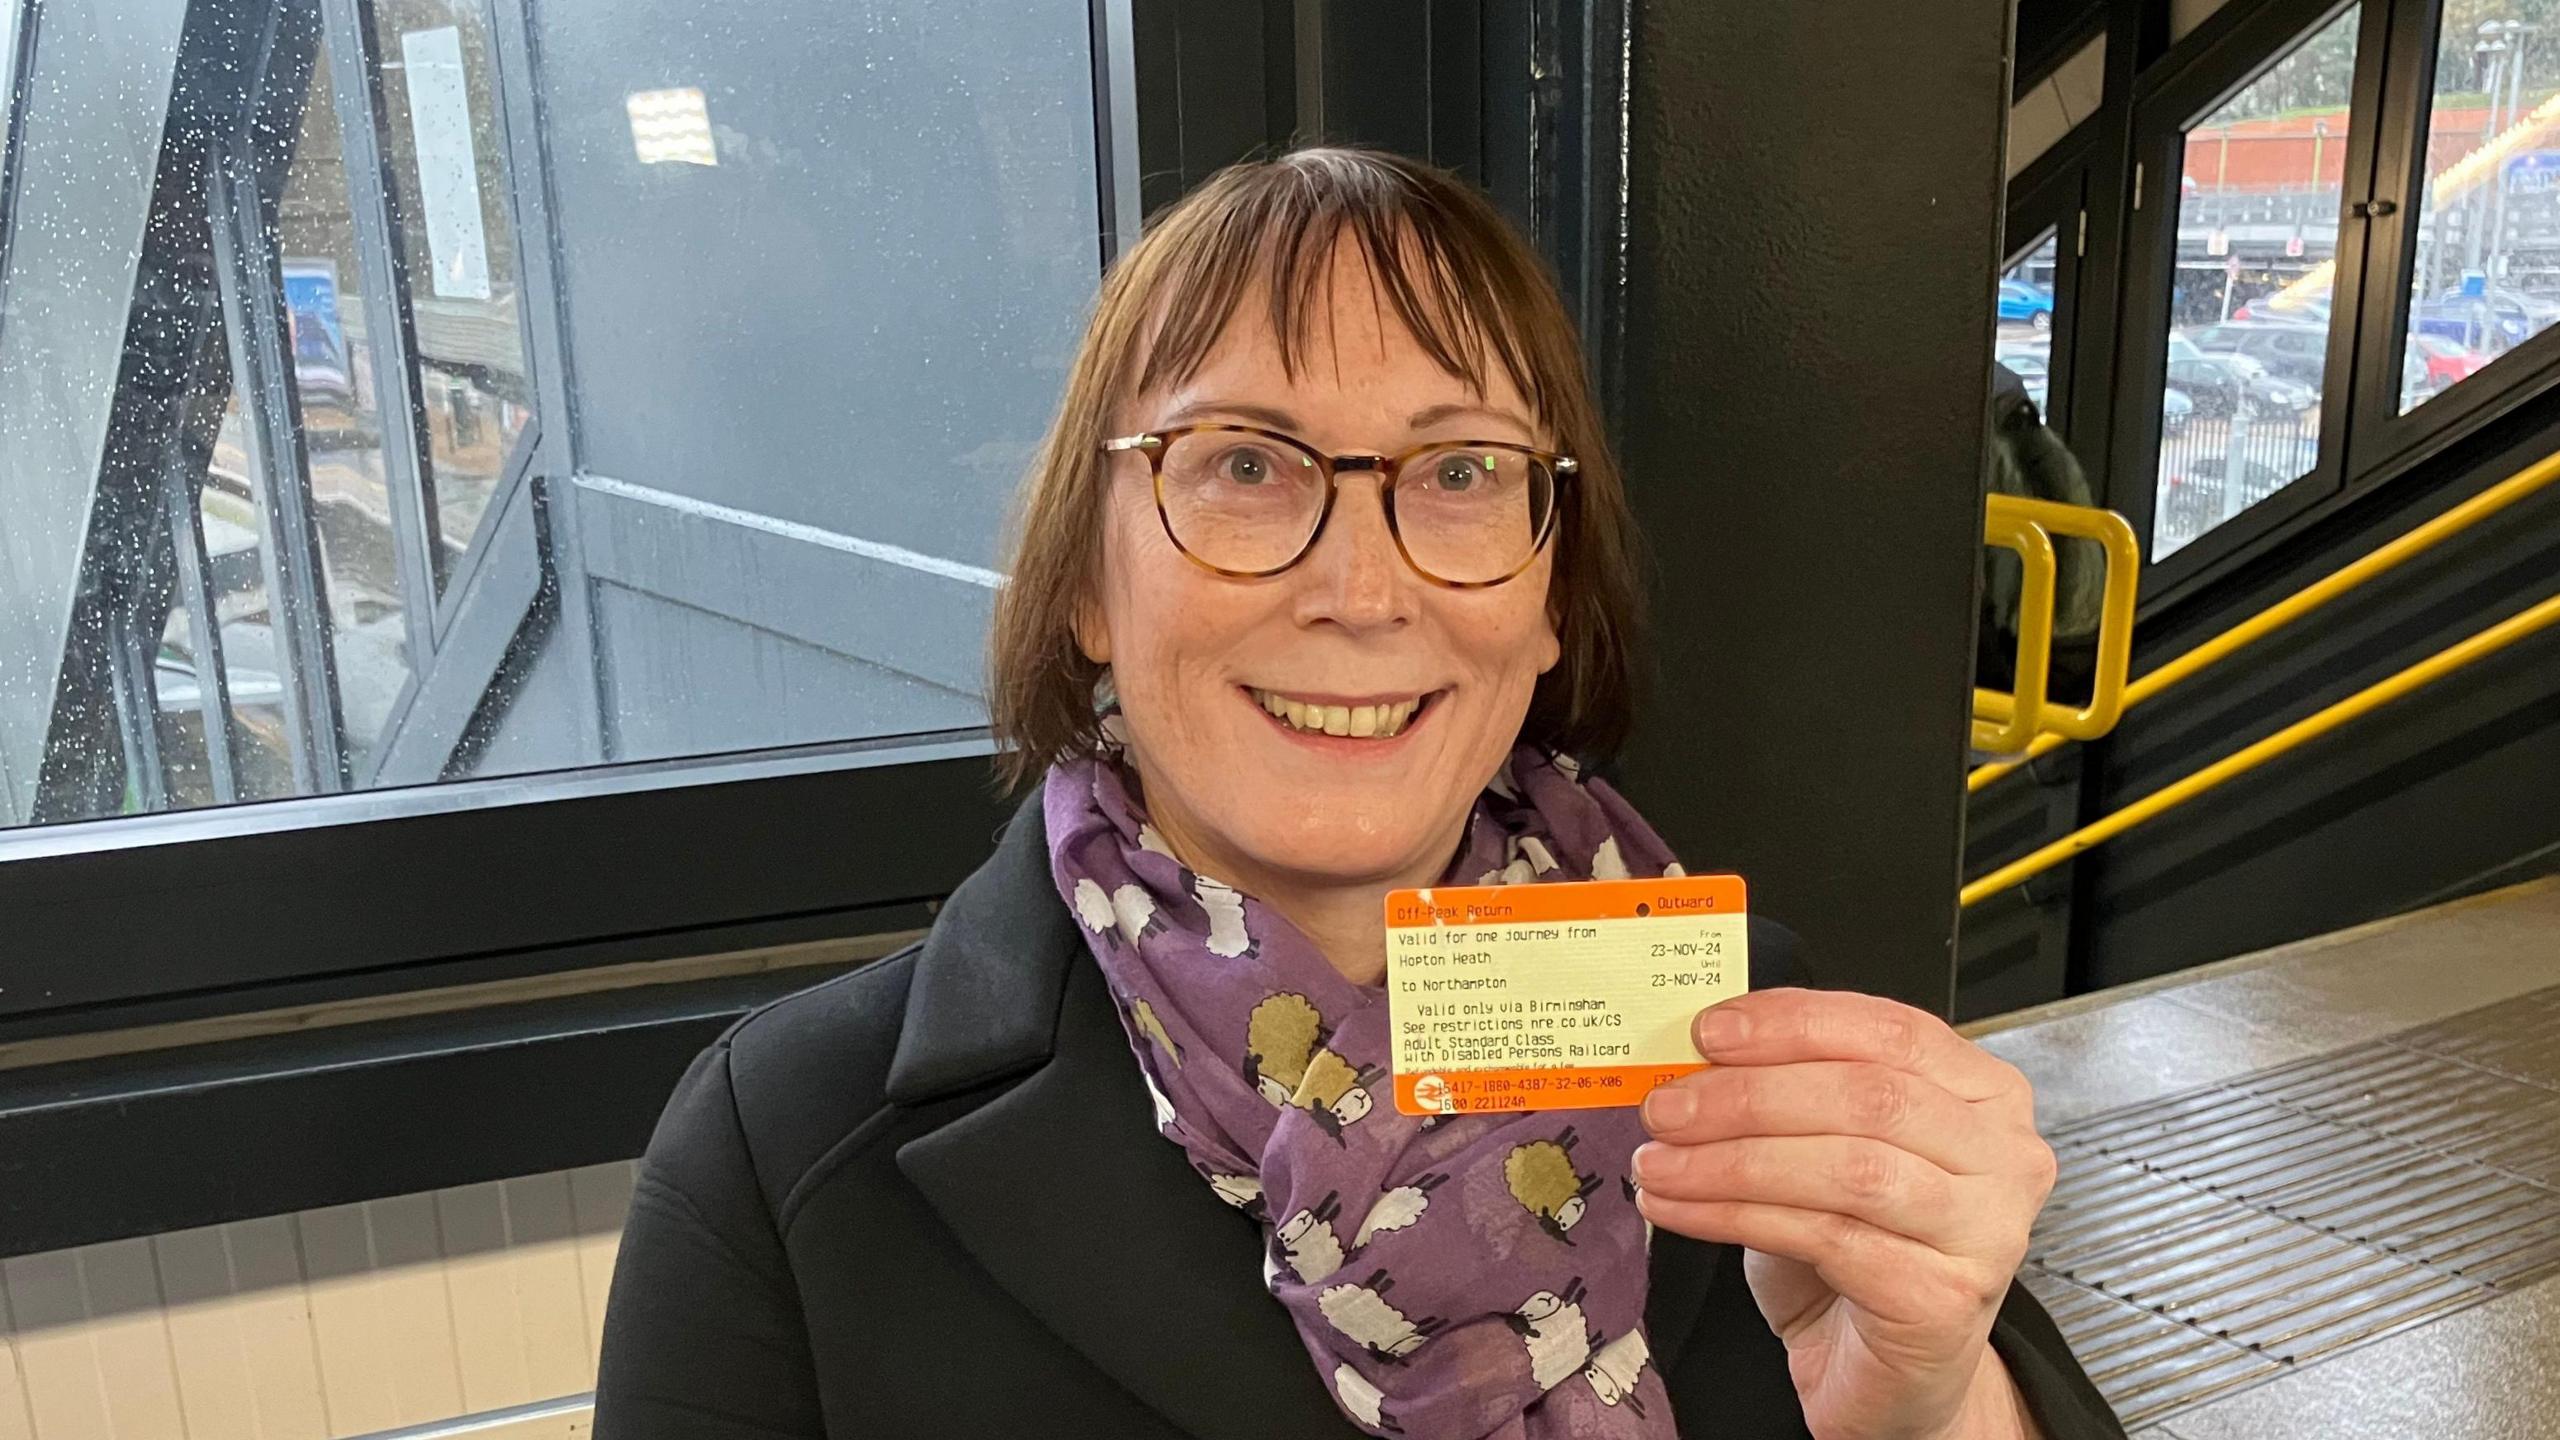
(1882,1173)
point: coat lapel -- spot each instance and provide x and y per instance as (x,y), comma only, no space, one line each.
(1061,1187)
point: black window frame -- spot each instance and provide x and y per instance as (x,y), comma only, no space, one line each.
(378,891)
(2049,33)
(2366,442)
(2453,446)
(2223,57)
(2051,196)
(118,921)
(2385,437)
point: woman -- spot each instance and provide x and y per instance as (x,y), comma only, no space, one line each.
(1324,574)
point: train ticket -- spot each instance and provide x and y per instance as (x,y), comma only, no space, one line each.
(1560,996)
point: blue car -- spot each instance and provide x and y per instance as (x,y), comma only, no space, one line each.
(2022,303)
(2489,322)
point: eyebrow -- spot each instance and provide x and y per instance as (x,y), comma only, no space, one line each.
(1265,415)
(1433,414)
(1262,415)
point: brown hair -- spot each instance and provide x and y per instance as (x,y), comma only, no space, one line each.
(1467,287)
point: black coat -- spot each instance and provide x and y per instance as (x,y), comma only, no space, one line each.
(928,1198)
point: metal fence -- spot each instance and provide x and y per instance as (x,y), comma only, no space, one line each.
(2201,460)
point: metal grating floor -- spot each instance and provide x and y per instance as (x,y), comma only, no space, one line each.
(2205,1242)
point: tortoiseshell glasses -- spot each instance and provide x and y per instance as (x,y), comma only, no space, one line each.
(1248,503)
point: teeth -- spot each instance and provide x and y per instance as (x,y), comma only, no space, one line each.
(1358,721)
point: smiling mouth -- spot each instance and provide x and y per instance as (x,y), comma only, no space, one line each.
(1381,720)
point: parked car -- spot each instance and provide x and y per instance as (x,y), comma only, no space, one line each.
(2212,385)
(2025,304)
(2032,371)
(2495,319)
(2186,512)
(2219,382)
(2258,480)
(2448,362)
(2271,394)
(2469,324)
(2289,350)
(2191,495)
(2176,409)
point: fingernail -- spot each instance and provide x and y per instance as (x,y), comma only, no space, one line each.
(1652,1158)
(1722,1029)
(1669,1108)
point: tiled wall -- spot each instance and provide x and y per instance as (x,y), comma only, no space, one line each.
(322,1325)
(352,1320)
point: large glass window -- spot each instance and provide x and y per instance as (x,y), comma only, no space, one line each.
(311,508)
(337,413)
(9,21)
(221,700)
(2257,237)
(2023,460)
(2025,309)
(444,153)
(15,20)
(2484,272)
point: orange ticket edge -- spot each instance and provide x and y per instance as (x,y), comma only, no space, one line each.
(1529,1087)
(1578,900)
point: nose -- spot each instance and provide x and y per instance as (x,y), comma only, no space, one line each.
(1354,577)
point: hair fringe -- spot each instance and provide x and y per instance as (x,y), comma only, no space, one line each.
(1460,280)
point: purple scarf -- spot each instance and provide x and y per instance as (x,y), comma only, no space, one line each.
(1453,1279)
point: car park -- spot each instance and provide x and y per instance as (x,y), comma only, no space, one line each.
(2024,304)
(2289,350)
(2176,409)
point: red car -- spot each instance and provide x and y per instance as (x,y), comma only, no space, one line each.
(2448,362)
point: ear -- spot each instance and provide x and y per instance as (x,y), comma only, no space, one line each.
(1551,644)
(1093,631)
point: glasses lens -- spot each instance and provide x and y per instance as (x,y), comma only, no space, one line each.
(1476,514)
(1240,502)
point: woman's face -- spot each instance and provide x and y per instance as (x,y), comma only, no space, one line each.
(1195,656)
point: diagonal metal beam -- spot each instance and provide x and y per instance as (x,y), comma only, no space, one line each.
(252,291)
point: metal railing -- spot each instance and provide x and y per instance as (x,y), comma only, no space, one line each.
(2007,723)
(2465,516)
(2011,722)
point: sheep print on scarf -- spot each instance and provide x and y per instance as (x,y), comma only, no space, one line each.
(1452,1278)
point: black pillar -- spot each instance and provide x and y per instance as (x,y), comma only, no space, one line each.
(1813,234)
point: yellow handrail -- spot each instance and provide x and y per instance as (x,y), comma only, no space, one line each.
(2035,632)
(2435,667)
(2115,614)
(2275,617)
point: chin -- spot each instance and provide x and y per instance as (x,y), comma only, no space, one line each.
(1349,838)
